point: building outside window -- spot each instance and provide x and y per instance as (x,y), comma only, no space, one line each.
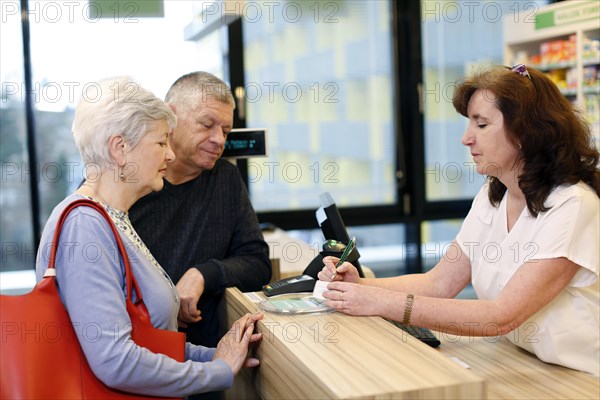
(319,76)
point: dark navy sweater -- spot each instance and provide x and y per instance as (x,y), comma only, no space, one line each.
(207,223)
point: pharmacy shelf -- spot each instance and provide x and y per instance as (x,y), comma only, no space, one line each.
(563,40)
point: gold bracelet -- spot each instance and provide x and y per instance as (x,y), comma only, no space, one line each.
(408,308)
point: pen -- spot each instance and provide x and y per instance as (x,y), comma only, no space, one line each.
(345,254)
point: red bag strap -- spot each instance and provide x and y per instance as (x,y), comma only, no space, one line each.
(130,280)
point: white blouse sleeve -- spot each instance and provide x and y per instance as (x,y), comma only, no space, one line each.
(571,229)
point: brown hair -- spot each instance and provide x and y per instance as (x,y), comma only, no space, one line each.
(556,145)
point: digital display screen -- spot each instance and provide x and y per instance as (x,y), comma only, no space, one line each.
(243,143)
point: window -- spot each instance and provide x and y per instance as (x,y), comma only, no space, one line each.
(107,44)
(320,76)
(74,44)
(17,249)
(457,36)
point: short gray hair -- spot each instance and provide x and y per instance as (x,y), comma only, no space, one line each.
(187,91)
(122,107)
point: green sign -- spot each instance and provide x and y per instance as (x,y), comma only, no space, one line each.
(126,9)
(580,11)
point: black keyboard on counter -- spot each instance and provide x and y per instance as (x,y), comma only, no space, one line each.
(423,334)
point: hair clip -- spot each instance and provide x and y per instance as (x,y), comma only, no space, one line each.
(521,69)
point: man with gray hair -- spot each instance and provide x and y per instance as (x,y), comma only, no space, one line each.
(202,227)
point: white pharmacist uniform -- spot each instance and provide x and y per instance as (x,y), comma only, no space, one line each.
(567,330)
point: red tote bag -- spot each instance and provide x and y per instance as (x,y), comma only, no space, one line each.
(40,355)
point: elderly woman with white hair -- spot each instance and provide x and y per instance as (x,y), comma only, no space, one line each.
(122,138)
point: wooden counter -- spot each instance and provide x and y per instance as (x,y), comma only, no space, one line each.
(336,356)
(513,373)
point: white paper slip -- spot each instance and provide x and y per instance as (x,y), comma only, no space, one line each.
(320,287)
(460,362)
(253,297)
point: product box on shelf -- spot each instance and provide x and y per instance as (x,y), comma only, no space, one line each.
(591,50)
(590,75)
(558,51)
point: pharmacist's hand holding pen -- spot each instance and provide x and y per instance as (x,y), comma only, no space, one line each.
(345,272)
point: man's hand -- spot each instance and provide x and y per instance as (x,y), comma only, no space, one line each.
(190,287)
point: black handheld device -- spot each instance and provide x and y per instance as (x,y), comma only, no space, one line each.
(294,284)
(333,228)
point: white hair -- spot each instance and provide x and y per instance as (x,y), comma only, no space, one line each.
(121,108)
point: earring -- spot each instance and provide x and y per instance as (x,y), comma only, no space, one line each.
(122,176)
